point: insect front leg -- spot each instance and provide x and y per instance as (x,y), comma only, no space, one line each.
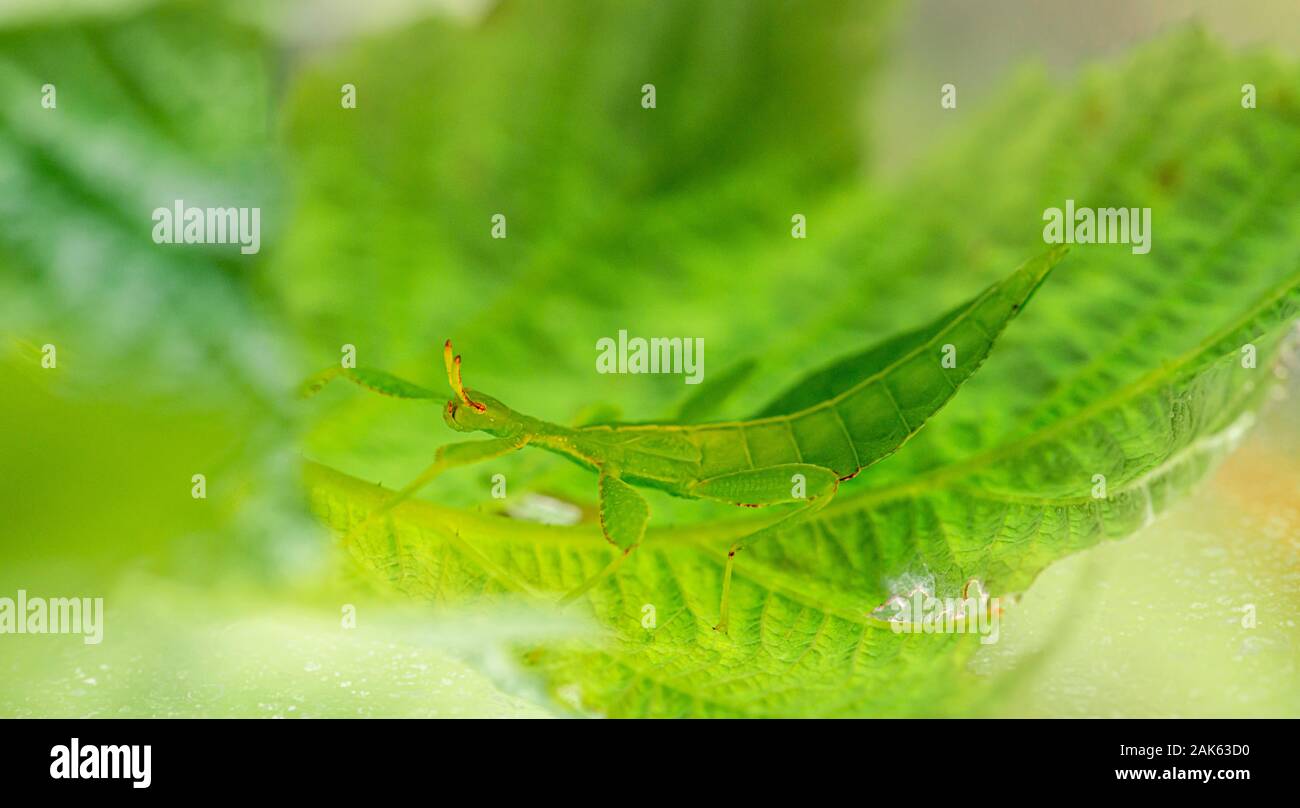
(447,457)
(812,487)
(376,381)
(623,517)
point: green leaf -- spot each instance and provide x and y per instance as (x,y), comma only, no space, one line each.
(1126,366)
(1002,515)
(809,655)
(802,640)
(1221,220)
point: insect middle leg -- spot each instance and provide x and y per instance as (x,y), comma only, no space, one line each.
(810,486)
(623,517)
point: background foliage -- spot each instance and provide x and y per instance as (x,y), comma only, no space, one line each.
(673,221)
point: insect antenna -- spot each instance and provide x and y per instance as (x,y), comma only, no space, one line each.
(453,376)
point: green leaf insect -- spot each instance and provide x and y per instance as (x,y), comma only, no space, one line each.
(823,431)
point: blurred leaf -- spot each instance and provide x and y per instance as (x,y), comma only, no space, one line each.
(618,216)
(170,651)
(158,105)
(153,105)
(706,402)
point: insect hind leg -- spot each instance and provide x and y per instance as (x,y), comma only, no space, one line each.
(811,486)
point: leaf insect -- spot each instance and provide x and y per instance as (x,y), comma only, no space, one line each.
(823,431)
